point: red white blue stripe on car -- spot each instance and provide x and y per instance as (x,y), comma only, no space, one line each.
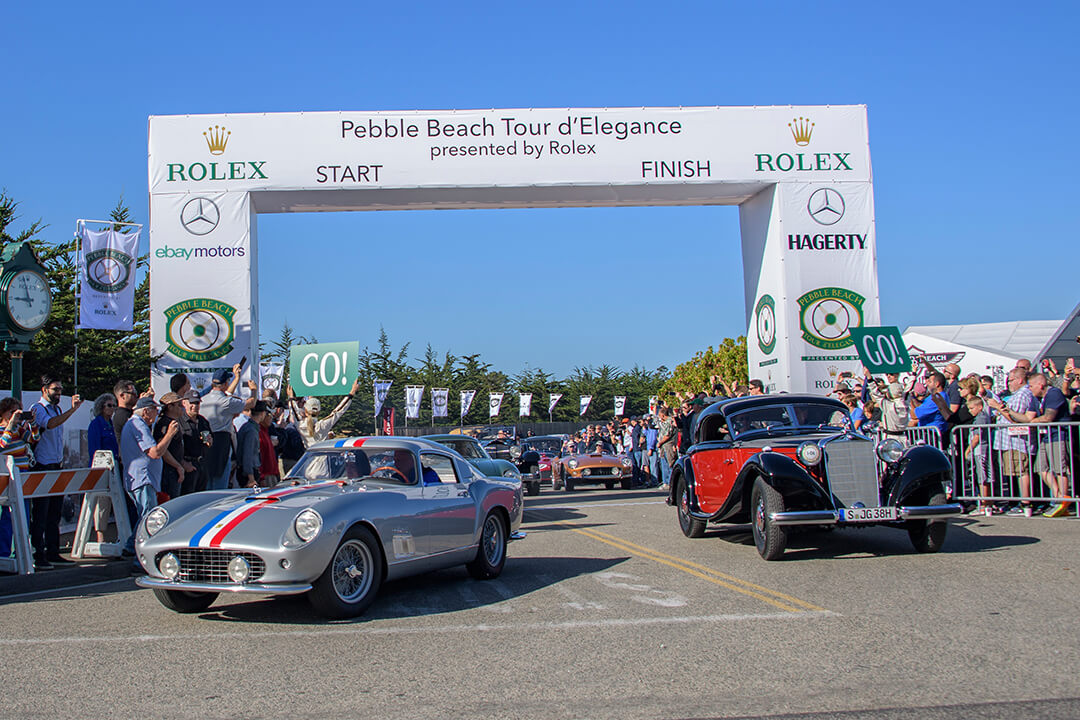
(213,533)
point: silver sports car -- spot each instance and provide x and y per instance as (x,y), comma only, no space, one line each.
(350,515)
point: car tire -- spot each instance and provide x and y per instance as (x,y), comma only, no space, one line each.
(928,535)
(182,601)
(568,484)
(491,553)
(352,578)
(532,488)
(770,538)
(626,484)
(691,527)
(609,485)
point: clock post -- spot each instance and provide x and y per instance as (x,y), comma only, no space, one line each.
(25,304)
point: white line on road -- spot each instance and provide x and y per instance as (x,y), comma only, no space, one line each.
(399,630)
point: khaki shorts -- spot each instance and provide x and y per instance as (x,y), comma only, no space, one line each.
(1053,457)
(1015,462)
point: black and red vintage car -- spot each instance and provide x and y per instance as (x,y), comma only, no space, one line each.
(778,461)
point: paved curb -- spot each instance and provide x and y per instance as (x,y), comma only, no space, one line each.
(83,572)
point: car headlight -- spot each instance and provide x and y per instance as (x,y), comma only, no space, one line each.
(239,569)
(586,472)
(169,566)
(307,525)
(890,450)
(626,462)
(572,464)
(511,473)
(809,453)
(155,520)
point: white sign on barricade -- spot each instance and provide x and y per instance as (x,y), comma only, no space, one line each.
(16,486)
(113,497)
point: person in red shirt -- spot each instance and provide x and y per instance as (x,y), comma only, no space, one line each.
(268,461)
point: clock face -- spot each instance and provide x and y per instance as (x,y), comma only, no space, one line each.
(28,300)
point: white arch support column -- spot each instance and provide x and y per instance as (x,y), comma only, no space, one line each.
(203,269)
(810,274)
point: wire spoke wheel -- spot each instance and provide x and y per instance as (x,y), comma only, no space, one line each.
(352,570)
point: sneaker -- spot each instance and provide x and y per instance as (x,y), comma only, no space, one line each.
(1060,510)
(664,487)
(42,565)
(1015,511)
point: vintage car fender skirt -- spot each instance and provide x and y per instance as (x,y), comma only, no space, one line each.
(352,578)
(770,538)
(491,554)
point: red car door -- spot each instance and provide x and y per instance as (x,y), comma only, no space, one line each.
(714,476)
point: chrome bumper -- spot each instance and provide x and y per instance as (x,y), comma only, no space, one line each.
(832,517)
(280,589)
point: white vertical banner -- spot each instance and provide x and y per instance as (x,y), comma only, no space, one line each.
(620,405)
(654,404)
(466,401)
(413,395)
(107,291)
(382,389)
(553,399)
(440,402)
(494,404)
(524,404)
(271,376)
(584,401)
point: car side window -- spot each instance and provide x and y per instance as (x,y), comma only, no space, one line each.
(438,469)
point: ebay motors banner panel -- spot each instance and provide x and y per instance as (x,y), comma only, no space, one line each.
(508,148)
(201,307)
(818,280)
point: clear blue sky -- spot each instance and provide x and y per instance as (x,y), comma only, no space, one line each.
(973,112)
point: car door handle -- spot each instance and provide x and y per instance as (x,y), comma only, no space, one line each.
(463,493)
(729,461)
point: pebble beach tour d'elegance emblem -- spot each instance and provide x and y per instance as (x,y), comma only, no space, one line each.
(827,314)
(200,329)
(108,270)
(766,323)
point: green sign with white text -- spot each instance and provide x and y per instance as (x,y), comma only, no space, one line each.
(324,369)
(881,349)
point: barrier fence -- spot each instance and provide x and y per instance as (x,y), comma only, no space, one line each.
(95,484)
(1028,465)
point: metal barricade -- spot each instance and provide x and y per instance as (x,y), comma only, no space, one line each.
(1018,468)
(928,435)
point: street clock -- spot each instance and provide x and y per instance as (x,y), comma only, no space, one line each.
(25,297)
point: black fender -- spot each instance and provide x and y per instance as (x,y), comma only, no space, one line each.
(527,459)
(921,472)
(794,483)
(684,472)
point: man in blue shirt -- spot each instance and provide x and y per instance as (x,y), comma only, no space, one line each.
(1052,458)
(935,408)
(142,460)
(49,455)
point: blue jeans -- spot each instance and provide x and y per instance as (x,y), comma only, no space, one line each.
(665,471)
(222,482)
(654,466)
(635,457)
(7,532)
(145,499)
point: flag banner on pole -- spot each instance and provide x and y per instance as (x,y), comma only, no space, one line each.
(525,400)
(585,400)
(466,401)
(270,377)
(654,404)
(440,402)
(413,395)
(382,389)
(620,405)
(553,398)
(388,421)
(107,291)
(495,404)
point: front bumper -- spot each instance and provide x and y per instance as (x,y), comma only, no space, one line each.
(254,588)
(832,517)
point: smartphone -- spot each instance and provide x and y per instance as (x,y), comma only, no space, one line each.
(243,362)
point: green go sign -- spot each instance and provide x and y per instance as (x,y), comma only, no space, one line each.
(881,349)
(324,369)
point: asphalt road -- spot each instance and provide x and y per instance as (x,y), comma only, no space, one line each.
(604,611)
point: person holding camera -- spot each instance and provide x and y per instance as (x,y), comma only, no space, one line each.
(18,435)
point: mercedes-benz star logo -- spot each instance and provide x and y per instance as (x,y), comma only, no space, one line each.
(200,216)
(826,206)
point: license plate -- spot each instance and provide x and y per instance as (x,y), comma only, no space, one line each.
(870,514)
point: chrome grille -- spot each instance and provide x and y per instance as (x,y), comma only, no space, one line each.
(211,565)
(602,471)
(851,469)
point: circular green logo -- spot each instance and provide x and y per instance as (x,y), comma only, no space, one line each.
(200,329)
(765,313)
(826,316)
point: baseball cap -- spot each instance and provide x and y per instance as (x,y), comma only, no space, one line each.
(223,376)
(259,406)
(192,395)
(169,398)
(146,402)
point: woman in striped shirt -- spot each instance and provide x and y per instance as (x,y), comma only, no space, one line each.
(15,440)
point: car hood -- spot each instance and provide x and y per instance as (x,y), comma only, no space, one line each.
(605,460)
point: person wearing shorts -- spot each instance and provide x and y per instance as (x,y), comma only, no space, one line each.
(1052,458)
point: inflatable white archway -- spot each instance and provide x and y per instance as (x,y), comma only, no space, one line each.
(800,176)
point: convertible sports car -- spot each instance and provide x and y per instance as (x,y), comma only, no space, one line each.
(777,461)
(350,515)
(471,449)
(534,457)
(572,471)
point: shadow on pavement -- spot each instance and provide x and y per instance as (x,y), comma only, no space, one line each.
(586,496)
(444,591)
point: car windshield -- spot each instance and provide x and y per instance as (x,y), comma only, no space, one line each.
(548,446)
(775,419)
(395,465)
(469,449)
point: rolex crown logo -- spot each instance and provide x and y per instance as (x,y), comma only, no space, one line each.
(801,130)
(217,138)
(833,371)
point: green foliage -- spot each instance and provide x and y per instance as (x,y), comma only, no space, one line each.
(727,362)
(104,356)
